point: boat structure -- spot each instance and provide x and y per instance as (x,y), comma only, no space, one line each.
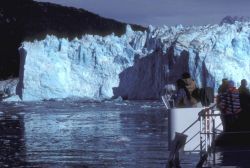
(191,130)
(199,131)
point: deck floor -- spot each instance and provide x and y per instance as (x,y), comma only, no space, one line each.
(232,150)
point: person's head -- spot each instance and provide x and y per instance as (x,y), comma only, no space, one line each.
(244,82)
(185,75)
(231,84)
(224,81)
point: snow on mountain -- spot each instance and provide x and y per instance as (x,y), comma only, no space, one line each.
(233,19)
(135,65)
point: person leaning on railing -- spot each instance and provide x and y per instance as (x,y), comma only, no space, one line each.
(229,105)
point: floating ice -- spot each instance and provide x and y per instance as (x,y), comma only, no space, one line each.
(146,106)
(122,139)
(14,117)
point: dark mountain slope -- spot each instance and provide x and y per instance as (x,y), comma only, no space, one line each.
(28,20)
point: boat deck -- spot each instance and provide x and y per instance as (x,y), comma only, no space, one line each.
(231,150)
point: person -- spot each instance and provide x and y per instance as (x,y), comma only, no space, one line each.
(221,90)
(206,96)
(183,97)
(245,105)
(223,87)
(190,85)
(243,87)
(229,105)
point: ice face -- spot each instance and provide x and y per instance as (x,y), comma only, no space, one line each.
(135,65)
(87,67)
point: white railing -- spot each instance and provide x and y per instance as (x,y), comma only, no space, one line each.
(199,131)
(210,127)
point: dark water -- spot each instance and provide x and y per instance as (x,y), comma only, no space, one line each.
(77,134)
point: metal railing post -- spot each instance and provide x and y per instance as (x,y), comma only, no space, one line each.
(201,146)
(213,139)
(206,130)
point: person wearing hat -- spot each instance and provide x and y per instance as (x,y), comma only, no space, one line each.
(183,97)
(190,85)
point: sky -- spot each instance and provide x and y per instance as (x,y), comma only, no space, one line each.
(162,12)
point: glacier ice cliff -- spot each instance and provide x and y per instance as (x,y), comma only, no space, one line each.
(87,67)
(135,65)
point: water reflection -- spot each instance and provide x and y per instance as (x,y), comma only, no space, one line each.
(12,140)
(146,131)
(78,134)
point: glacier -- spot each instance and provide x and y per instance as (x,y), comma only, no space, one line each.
(136,65)
(8,90)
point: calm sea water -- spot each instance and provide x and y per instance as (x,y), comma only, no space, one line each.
(79,134)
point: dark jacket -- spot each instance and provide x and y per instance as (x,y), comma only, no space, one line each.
(243,90)
(206,96)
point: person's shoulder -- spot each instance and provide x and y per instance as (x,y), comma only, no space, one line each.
(240,88)
(244,91)
(234,91)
